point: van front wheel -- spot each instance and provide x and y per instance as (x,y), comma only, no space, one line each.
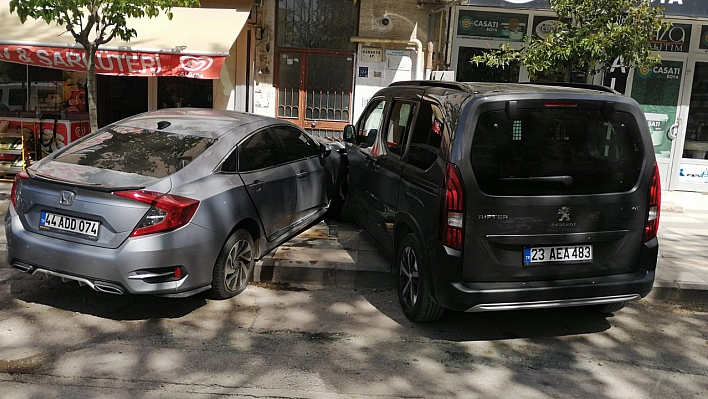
(412,292)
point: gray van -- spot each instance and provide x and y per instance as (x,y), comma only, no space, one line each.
(492,196)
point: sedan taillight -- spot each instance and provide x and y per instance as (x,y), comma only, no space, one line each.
(167,211)
(651,228)
(453,212)
(15,193)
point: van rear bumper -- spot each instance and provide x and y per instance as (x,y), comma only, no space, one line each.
(480,297)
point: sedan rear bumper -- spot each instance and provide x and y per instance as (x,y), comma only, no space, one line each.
(192,247)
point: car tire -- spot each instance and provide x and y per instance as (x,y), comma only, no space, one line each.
(609,308)
(413,294)
(234,266)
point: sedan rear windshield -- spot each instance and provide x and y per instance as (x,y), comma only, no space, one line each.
(144,152)
(553,151)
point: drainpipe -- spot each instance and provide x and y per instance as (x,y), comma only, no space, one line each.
(418,48)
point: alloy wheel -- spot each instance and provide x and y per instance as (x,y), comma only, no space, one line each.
(408,277)
(238,265)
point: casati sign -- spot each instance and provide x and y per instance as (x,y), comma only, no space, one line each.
(125,63)
(687,8)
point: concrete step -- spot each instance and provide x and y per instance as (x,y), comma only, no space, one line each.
(327,254)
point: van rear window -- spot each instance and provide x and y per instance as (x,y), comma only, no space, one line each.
(553,151)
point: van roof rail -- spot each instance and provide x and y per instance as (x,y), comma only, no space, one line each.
(445,84)
(576,85)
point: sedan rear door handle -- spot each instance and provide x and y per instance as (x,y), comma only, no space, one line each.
(256,185)
(302,174)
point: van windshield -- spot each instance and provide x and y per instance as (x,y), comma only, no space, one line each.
(554,151)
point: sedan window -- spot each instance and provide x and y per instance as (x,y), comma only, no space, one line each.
(297,144)
(133,150)
(258,152)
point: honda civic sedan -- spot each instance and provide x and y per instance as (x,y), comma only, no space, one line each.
(171,202)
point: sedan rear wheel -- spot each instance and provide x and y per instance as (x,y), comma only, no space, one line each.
(412,291)
(234,266)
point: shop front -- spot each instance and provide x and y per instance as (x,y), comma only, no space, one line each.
(673,94)
(196,59)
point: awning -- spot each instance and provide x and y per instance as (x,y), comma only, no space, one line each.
(193,44)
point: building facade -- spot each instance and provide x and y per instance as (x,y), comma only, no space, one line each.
(674,94)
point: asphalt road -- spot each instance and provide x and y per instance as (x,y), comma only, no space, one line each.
(60,340)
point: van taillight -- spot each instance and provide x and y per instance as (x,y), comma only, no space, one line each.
(14,193)
(651,228)
(453,213)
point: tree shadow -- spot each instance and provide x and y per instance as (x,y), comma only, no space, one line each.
(70,296)
(492,326)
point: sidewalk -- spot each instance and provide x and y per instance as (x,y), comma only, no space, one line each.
(342,254)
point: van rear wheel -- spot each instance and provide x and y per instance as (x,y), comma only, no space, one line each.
(412,291)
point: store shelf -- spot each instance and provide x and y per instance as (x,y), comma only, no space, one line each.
(14,154)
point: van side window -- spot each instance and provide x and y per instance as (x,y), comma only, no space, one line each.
(369,125)
(399,125)
(426,137)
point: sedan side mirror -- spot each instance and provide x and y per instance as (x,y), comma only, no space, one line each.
(324,151)
(349,133)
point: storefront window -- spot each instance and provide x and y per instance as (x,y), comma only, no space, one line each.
(470,72)
(29,88)
(174,92)
(324,24)
(657,89)
(696,145)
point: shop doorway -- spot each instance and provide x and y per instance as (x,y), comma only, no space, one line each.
(692,159)
(659,90)
(120,97)
(315,90)
(314,64)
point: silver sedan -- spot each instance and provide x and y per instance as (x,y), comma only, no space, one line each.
(171,202)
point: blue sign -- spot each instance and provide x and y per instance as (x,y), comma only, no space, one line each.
(363,72)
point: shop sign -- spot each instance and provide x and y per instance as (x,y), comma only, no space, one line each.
(676,39)
(475,24)
(703,45)
(693,173)
(123,63)
(543,25)
(686,8)
(617,75)
(371,54)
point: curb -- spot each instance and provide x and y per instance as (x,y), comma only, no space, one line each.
(319,273)
(679,292)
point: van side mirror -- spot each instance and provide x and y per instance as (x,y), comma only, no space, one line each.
(349,133)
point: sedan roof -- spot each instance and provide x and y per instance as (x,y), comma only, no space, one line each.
(200,122)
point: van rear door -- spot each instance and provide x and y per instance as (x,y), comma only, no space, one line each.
(561,191)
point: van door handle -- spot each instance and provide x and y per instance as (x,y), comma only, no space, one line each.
(257,185)
(372,163)
(302,174)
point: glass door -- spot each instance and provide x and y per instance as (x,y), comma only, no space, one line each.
(693,142)
(658,90)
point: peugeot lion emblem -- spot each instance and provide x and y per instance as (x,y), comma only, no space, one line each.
(66,198)
(564,213)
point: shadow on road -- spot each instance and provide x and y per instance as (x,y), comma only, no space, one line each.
(491,326)
(71,297)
